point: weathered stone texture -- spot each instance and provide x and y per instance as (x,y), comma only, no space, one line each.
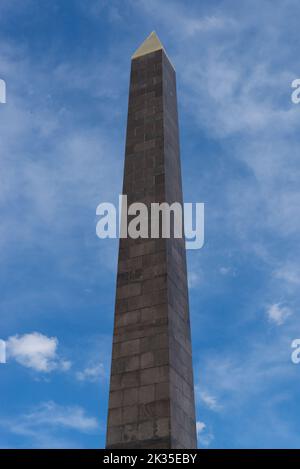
(151,403)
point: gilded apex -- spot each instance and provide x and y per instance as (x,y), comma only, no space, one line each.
(151,44)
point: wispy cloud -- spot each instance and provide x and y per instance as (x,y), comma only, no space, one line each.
(92,374)
(194,278)
(9,6)
(207,399)
(226,271)
(289,273)
(45,424)
(182,21)
(278,313)
(57,164)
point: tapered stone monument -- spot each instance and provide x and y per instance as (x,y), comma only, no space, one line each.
(151,400)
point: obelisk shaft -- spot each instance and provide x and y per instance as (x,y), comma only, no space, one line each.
(151,402)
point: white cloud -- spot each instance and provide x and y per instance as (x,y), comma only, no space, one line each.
(92,374)
(207,399)
(200,427)
(36,351)
(204,436)
(2,351)
(194,279)
(278,314)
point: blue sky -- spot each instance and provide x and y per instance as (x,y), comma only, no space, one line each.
(66,66)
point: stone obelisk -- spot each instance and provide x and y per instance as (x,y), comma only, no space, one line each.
(151,400)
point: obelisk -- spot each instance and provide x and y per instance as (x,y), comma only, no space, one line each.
(151,400)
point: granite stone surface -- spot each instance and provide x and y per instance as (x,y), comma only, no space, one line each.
(151,401)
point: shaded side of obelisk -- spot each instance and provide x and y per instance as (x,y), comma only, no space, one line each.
(151,400)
